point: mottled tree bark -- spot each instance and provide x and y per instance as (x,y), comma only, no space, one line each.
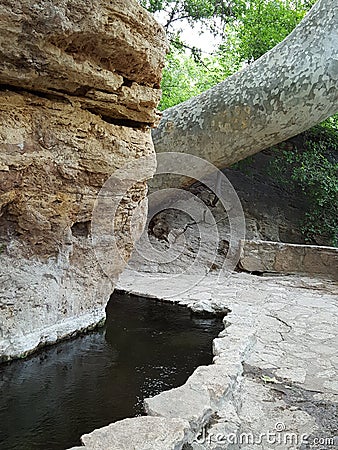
(286,91)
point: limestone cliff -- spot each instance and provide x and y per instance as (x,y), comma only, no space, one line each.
(79,88)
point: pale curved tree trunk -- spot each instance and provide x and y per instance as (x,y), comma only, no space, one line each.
(286,91)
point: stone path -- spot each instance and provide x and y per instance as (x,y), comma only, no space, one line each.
(273,384)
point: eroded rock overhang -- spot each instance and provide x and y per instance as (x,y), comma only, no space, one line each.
(79,85)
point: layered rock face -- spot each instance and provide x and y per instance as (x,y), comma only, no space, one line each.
(79,88)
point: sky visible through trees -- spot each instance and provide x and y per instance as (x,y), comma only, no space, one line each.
(212,39)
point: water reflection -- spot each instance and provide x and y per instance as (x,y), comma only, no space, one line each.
(50,399)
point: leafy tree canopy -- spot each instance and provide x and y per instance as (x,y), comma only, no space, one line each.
(247,29)
(264,23)
(258,23)
(207,12)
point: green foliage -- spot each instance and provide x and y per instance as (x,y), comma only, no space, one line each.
(185,77)
(312,165)
(182,79)
(249,29)
(211,13)
(264,23)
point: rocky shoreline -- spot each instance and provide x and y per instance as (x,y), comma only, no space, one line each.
(273,372)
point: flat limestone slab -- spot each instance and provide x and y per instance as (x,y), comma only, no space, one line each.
(140,433)
(278,257)
(272,384)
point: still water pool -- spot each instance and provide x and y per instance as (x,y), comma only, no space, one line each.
(50,399)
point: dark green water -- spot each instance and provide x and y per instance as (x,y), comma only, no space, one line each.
(50,399)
